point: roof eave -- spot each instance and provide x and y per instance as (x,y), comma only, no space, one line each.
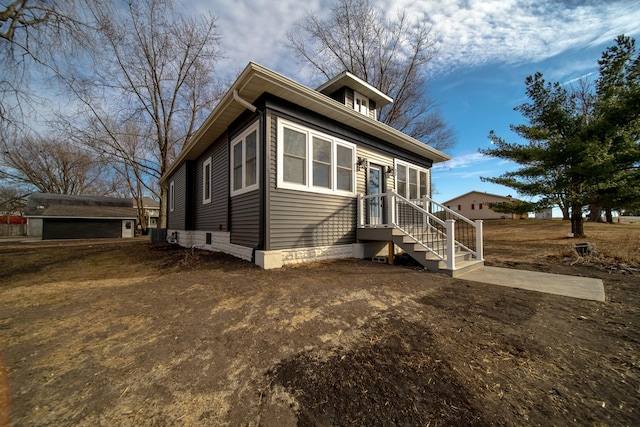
(350,80)
(256,80)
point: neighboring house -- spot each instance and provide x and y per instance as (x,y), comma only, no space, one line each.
(280,173)
(477,205)
(57,216)
(151,209)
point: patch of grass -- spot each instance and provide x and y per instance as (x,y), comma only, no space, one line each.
(532,240)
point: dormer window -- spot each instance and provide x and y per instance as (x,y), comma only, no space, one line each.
(360,103)
(355,93)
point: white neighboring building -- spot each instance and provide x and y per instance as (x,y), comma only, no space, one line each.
(151,209)
(545,214)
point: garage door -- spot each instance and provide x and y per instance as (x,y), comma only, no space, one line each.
(80,228)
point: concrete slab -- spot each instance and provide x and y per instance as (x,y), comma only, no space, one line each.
(22,239)
(558,284)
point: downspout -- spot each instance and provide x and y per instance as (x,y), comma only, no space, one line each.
(263,187)
(246,104)
(249,106)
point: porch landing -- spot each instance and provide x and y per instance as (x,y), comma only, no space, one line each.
(557,284)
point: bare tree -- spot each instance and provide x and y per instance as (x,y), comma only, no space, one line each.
(32,32)
(52,165)
(127,148)
(12,201)
(391,55)
(151,70)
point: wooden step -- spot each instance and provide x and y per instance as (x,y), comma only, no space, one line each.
(426,257)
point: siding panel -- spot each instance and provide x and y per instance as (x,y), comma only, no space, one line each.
(176,219)
(213,216)
(245,219)
(304,219)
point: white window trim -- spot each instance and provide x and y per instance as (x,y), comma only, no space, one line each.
(206,200)
(412,166)
(240,139)
(172,196)
(335,142)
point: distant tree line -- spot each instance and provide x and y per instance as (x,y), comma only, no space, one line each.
(517,207)
(583,140)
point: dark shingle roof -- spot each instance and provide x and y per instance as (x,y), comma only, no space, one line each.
(59,205)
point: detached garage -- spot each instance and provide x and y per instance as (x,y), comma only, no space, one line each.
(55,216)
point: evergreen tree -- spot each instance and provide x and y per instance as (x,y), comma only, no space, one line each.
(518,207)
(617,126)
(583,144)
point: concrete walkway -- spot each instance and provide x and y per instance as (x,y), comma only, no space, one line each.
(558,284)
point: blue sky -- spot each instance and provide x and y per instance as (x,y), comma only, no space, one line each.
(486,48)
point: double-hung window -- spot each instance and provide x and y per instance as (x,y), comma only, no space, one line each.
(244,161)
(412,181)
(206,181)
(345,155)
(294,153)
(321,162)
(309,160)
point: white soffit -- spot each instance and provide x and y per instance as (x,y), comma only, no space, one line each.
(351,81)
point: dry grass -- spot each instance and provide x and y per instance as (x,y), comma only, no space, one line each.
(535,240)
(128,333)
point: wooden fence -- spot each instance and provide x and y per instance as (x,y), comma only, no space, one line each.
(13,229)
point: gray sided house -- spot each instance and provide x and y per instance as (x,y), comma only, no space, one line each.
(57,216)
(280,173)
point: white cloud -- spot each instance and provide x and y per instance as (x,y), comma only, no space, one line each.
(472,165)
(255,30)
(477,32)
(472,33)
(469,33)
(463,161)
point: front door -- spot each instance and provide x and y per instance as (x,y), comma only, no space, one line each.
(375,186)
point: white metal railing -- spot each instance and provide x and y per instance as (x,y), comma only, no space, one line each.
(432,225)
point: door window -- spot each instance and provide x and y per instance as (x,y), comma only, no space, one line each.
(374,187)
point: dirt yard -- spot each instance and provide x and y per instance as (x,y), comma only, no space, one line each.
(128,333)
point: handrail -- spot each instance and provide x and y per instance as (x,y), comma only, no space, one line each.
(424,222)
(446,209)
(398,196)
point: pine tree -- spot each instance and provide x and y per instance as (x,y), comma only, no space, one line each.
(583,144)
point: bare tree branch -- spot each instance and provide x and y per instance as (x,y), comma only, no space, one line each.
(391,55)
(52,165)
(150,83)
